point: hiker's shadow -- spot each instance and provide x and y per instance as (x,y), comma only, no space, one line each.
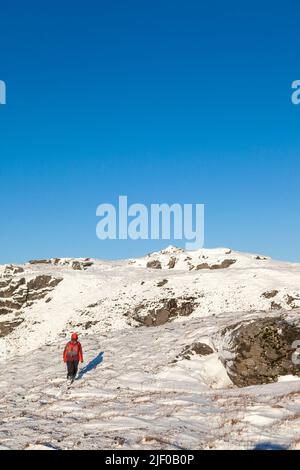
(92,365)
(269,446)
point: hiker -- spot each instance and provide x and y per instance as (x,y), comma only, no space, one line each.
(72,356)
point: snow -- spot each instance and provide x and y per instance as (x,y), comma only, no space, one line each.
(288,378)
(133,392)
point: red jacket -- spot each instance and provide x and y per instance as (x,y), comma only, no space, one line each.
(73,352)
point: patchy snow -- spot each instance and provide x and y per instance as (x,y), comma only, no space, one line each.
(132,391)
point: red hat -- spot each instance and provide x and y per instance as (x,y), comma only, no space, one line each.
(74,337)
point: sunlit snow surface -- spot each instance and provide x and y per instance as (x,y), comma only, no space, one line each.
(130,393)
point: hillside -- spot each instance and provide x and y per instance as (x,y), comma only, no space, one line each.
(182,350)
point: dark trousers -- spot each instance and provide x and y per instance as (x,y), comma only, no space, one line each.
(72,369)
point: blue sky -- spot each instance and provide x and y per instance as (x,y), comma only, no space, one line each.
(181,101)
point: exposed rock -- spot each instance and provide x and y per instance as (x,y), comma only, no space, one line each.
(275,306)
(172,262)
(13,294)
(270,294)
(202,266)
(76,266)
(89,324)
(40,261)
(201,349)
(259,351)
(87,264)
(6,327)
(292,301)
(157,318)
(166,310)
(12,269)
(42,282)
(93,305)
(162,283)
(225,264)
(154,264)
(16,293)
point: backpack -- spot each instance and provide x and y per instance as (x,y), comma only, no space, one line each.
(72,351)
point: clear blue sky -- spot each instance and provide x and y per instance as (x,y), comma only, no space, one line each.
(165,101)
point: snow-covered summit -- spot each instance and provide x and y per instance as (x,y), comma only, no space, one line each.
(43,299)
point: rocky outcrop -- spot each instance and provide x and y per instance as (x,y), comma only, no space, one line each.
(154,264)
(41,286)
(11,269)
(292,301)
(77,265)
(198,348)
(162,283)
(6,327)
(165,310)
(270,294)
(223,265)
(13,294)
(40,261)
(172,262)
(16,293)
(259,351)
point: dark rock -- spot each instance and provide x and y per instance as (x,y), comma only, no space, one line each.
(7,327)
(202,349)
(17,293)
(275,306)
(162,283)
(166,310)
(202,266)
(12,269)
(42,282)
(87,264)
(76,266)
(226,263)
(259,351)
(270,294)
(161,317)
(40,261)
(290,300)
(172,262)
(198,348)
(154,264)
(89,324)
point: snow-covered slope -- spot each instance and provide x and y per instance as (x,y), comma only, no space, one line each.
(115,295)
(136,319)
(133,396)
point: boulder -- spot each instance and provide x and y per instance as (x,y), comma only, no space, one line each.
(259,351)
(154,264)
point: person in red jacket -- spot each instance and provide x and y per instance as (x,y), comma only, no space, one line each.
(72,356)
